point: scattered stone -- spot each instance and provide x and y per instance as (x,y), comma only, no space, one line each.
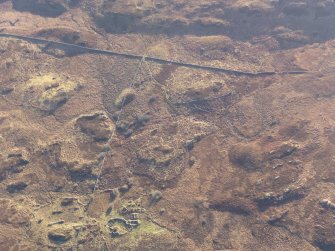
(120,226)
(117,231)
(295,162)
(132,207)
(271,199)
(278,165)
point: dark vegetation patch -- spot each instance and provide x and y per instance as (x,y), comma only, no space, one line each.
(16,187)
(165,73)
(127,128)
(58,238)
(296,131)
(6,90)
(81,172)
(246,156)
(13,163)
(324,231)
(234,206)
(47,8)
(64,35)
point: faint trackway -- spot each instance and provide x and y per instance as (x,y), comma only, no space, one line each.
(152,59)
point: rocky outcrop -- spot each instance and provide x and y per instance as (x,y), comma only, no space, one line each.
(161,155)
(48,92)
(97,126)
(13,163)
(291,22)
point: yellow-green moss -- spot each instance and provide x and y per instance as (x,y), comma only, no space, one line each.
(48,80)
(51,90)
(147,227)
(160,50)
(209,21)
(146,233)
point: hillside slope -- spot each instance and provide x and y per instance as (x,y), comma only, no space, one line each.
(112,152)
